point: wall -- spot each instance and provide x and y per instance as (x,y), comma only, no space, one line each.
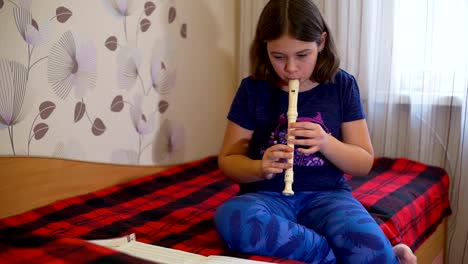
(121,81)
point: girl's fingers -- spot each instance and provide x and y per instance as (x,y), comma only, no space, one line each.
(271,172)
(303,125)
(274,167)
(279,152)
(281,165)
(269,176)
(308,151)
(281,148)
(304,142)
(275,160)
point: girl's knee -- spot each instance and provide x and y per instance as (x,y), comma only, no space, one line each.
(231,221)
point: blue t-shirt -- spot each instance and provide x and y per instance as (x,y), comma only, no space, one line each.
(262,108)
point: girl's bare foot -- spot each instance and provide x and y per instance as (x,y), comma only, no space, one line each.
(405,254)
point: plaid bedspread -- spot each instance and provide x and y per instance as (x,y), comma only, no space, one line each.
(174,209)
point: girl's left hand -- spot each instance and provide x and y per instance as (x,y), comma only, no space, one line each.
(309,135)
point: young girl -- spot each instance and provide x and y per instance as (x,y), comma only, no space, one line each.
(321,222)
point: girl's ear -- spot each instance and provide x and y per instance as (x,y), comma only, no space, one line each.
(323,40)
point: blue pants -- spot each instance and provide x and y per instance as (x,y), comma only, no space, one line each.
(313,227)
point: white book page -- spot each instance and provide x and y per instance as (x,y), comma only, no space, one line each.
(231,260)
(174,256)
(161,254)
(115,242)
(130,246)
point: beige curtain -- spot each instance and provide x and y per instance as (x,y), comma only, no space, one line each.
(249,12)
(410,60)
(414,82)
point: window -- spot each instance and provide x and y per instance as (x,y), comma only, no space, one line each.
(430,49)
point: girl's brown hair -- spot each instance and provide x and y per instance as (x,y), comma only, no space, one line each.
(300,19)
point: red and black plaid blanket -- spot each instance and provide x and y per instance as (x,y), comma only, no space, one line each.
(174,209)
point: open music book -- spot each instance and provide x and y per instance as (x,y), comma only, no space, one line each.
(130,246)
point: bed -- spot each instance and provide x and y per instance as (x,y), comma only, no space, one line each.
(50,208)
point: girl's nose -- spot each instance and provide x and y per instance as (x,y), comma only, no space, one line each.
(291,66)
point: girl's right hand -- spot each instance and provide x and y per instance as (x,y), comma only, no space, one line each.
(275,160)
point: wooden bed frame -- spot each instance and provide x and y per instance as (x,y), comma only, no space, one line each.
(30,182)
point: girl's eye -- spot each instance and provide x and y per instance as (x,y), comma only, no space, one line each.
(302,55)
(278,57)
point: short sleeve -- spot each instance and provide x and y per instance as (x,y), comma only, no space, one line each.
(352,104)
(241,111)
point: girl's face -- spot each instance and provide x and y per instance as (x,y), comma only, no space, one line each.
(292,58)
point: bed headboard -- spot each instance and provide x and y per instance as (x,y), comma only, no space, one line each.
(31,182)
